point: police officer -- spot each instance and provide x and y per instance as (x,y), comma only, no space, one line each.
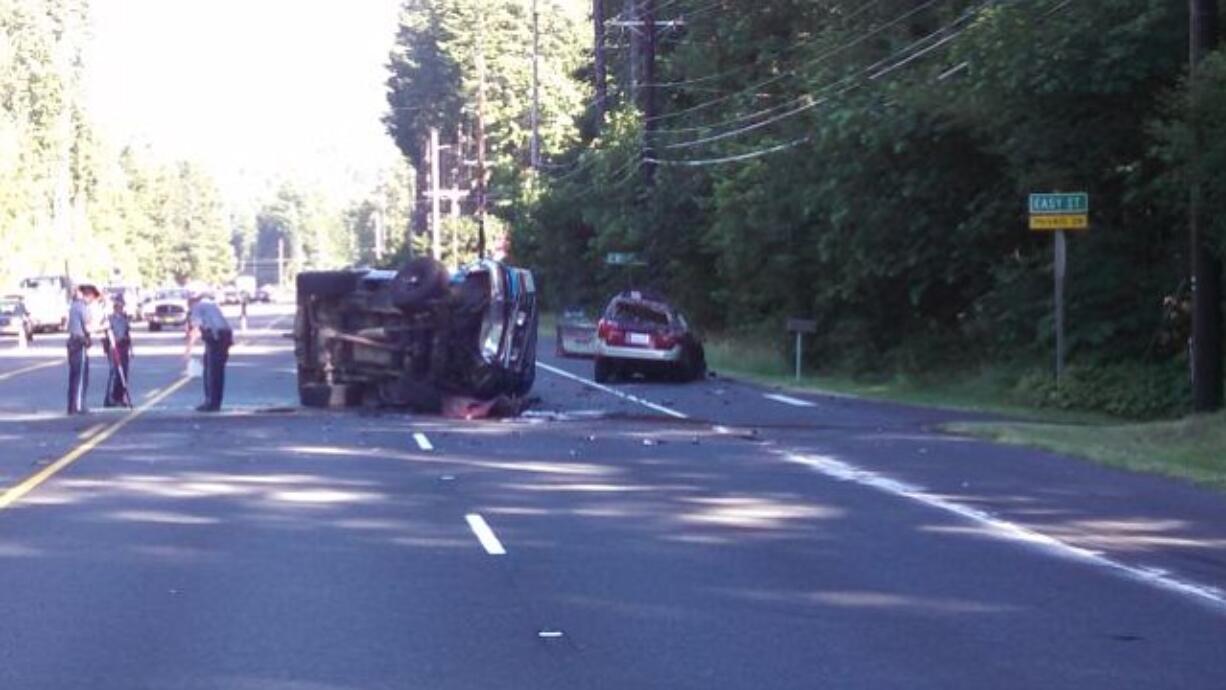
(204,318)
(118,348)
(82,325)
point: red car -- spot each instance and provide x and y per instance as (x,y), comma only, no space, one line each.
(641,333)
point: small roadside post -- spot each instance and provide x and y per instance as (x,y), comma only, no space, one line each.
(1057,212)
(800,327)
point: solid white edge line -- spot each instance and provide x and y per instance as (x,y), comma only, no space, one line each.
(611,391)
(1154,577)
(422,441)
(485,535)
(789,400)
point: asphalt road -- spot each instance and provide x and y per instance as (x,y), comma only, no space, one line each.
(644,535)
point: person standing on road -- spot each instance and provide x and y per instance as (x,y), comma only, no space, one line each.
(118,348)
(204,319)
(82,325)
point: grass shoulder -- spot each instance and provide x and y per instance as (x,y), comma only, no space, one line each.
(1192,448)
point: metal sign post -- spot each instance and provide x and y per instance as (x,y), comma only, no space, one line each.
(1060,262)
(1059,212)
(800,327)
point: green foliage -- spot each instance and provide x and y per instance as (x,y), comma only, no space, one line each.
(70,199)
(1127,390)
(894,212)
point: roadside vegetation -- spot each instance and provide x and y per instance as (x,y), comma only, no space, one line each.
(864,165)
(1189,448)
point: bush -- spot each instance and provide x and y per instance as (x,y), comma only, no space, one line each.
(1129,390)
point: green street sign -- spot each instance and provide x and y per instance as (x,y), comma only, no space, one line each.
(1059,204)
(624,259)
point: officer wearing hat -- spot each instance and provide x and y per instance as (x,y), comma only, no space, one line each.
(82,325)
(204,319)
(118,348)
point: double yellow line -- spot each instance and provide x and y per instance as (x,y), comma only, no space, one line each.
(14,494)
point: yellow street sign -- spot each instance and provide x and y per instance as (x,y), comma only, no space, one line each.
(1063,221)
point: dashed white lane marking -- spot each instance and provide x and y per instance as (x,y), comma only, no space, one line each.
(788,400)
(25,370)
(612,391)
(485,535)
(422,441)
(1153,577)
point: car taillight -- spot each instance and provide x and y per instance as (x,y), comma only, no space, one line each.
(610,332)
(664,341)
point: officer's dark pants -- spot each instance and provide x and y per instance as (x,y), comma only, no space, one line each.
(78,374)
(116,391)
(216,352)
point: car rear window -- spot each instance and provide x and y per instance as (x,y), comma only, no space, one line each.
(639,314)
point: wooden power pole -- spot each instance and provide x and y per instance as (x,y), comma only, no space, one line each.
(536,90)
(602,88)
(649,92)
(480,135)
(436,230)
(1206,355)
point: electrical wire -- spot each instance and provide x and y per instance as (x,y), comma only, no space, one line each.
(728,159)
(792,72)
(873,71)
(741,68)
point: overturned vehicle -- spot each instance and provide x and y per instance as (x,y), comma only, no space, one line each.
(417,338)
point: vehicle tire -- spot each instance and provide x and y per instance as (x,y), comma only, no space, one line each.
(325,395)
(155,327)
(327,283)
(603,370)
(696,364)
(417,282)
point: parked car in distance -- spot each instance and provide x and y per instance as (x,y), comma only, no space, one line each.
(576,334)
(271,293)
(46,299)
(229,294)
(167,309)
(641,333)
(14,319)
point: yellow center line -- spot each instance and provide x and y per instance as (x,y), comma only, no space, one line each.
(32,367)
(14,494)
(91,431)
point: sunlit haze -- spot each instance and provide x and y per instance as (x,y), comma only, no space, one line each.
(254,89)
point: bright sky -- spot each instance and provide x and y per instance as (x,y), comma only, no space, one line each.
(252,88)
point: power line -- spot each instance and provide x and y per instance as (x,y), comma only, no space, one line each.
(730,159)
(741,68)
(873,71)
(792,72)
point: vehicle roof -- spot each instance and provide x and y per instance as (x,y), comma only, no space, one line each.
(647,297)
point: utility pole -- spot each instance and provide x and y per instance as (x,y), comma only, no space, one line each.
(281,261)
(633,24)
(435,241)
(1206,355)
(649,93)
(602,89)
(458,165)
(481,173)
(536,90)
(379,231)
